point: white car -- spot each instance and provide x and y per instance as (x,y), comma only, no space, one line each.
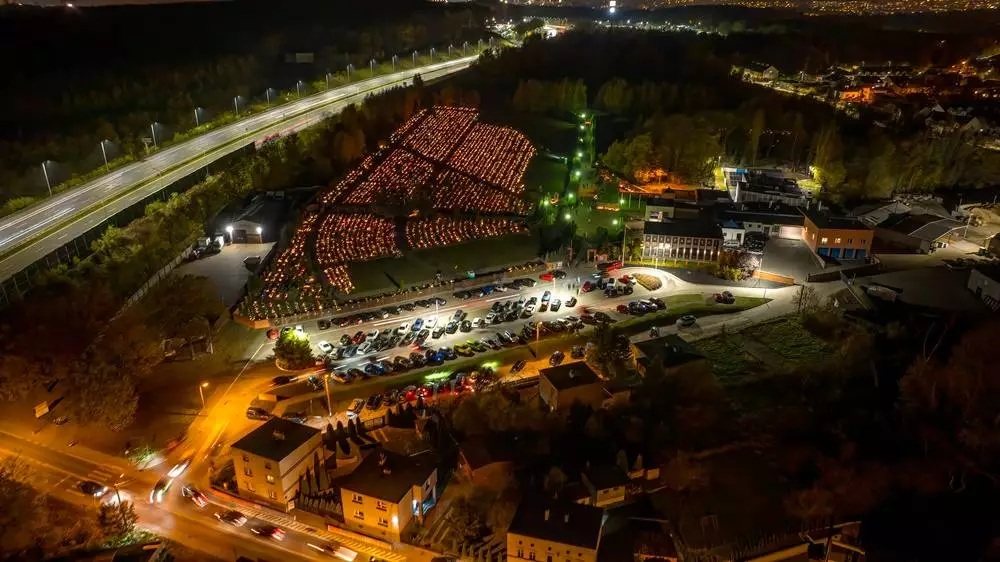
(372,334)
(477,322)
(403,328)
(490,316)
(364,348)
(431,322)
(325,346)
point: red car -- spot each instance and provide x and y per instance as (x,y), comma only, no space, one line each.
(624,279)
(547,277)
(587,287)
(622,309)
(359,337)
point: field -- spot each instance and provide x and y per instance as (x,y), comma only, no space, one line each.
(730,362)
(789,338)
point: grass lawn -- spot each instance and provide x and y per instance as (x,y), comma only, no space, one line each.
(546,173)
(589,220)
(546,133)
(788,337)
(730,362)
(679,305)
(417,267)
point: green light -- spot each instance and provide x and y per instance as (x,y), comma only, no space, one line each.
(583,116)
(437,375)
(545,202)
(614,221)
(579,154)
(569,195)
(581,127)
(568,217)
(577,173)
(490,365)
(621,201)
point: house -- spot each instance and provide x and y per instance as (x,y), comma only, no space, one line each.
(259,222)
(486,462)
(669,206)
(760,73)
(763,185)
(605,485)
(269,460)
(554,531)
(687,240)
(672,353)
(837,237)
(922,233)
(559,387)
(388,493)
(984,281)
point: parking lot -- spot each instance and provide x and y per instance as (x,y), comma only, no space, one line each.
(226,269)
(791,258)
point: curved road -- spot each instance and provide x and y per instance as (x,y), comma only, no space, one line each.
(33,233)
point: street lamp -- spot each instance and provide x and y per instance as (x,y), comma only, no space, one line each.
(229,231)
(267,95)
(104,151)
(299,87)
(394,57)
(350,67)
(371,65)
(567,216)
(197,116)
(450,47)
(260,231)
(45,172)
(236,105)
(464,45)
(201,392)
(152,128)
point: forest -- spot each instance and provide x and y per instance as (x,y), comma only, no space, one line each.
(107,74)
(685,113)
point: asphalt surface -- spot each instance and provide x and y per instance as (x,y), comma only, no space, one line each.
(33,233)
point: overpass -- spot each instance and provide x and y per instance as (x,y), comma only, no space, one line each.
(40,231)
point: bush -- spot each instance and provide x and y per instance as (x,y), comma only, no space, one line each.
(650,282)
(293,351)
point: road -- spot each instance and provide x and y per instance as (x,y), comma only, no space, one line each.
(29,235)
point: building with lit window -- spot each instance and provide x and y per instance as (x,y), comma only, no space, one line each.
(388,493)
(269,460)
(553,531)
(842,238)
(684,240)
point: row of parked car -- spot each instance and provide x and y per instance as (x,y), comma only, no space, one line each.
(514,285)
(381,314)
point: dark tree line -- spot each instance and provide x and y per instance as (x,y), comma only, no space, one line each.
(109,73)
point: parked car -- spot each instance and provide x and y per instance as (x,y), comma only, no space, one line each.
(418,325)
(465,326)
(570,302)
(91,488)
(269,532)
(323,324)
(577,352)
(194,495)
(325,346)
(686,321)
(725,297)
(282,380)
(255,413)
(658,302)
(622,309)
(354,410)
(518,366)
(547,277)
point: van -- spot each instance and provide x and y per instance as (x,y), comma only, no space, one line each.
(255,413)
(355,408)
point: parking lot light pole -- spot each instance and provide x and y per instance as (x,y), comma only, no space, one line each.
(329,404)
(201,392)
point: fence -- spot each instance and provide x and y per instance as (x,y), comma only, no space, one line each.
(862,270)
(156,278)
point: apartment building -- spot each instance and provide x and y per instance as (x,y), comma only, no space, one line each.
(388,493)
(553,531)
(269,460)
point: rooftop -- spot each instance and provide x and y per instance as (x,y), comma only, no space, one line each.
(561,522)
(923,226)
(275,439)
(388,476)
(606,476)
(570,375)
(672,348)
(824,220)
(694,228)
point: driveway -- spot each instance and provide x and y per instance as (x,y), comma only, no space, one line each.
(226,269)
(791,258)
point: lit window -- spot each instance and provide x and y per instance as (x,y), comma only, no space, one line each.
(836,240)
(271,494)
(249,485)
(358,514)
(823,240)
(379,505)
(357,498)
(247,471)
(382,522)
(270,479)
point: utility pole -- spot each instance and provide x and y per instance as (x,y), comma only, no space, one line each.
(152,128)
(104,151)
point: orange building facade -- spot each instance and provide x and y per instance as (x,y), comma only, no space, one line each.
(838,237)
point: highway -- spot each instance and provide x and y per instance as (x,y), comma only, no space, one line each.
(29,235)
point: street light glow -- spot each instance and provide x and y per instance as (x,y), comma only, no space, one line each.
(229,229)
(567,216)
(259,230)
(579,154)
(204,384)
